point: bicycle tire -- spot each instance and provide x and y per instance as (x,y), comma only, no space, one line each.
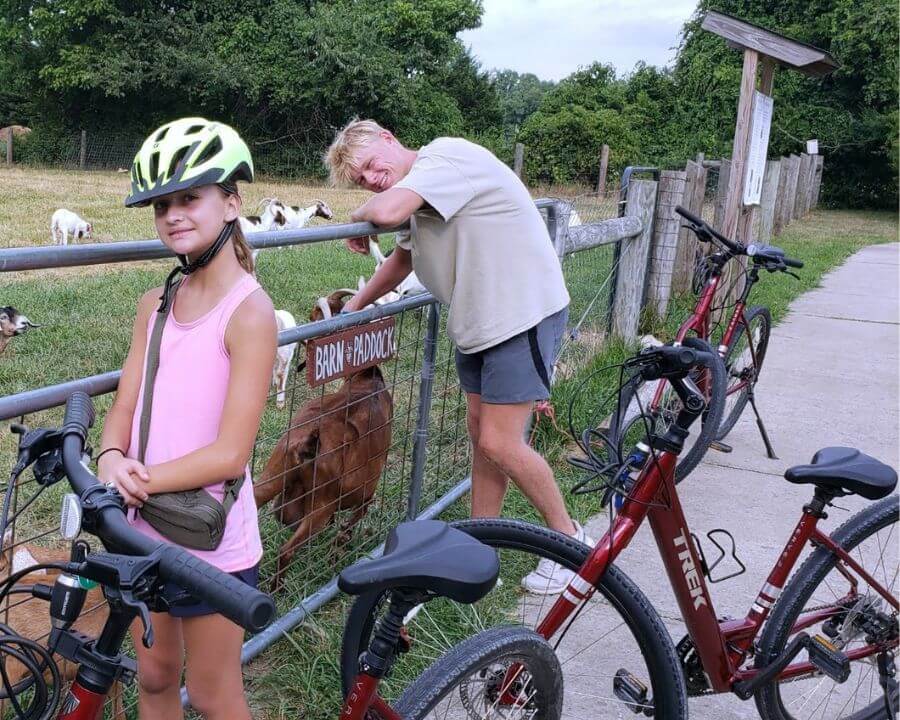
(488,657)
(638,620)
(735,355)
(622,422)
(800,589)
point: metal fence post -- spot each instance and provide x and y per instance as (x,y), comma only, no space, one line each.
(83,149)
(426,387)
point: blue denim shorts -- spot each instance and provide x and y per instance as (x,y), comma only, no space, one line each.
(184,605)
(517,369)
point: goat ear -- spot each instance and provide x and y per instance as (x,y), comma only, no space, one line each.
(322,304)
(336,299)
(306,447)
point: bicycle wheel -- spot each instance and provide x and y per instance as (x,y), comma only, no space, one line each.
(742,371)
(616,637)
(629,425)
(860,618)
(503,673)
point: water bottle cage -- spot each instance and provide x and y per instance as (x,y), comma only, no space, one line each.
(708,568)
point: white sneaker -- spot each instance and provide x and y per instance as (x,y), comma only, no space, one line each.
(550,578)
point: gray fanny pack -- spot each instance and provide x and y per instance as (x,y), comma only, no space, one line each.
(191,518)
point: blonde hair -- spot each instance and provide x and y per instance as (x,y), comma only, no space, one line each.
(341,158)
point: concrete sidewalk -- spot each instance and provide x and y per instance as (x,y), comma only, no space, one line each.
(830,378)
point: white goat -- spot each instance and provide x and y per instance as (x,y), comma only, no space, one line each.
(65,222)
(297,217)
(283,357)
(410,285)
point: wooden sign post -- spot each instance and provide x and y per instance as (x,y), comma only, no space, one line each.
(762,49)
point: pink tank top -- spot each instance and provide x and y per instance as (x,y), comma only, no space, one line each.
(188,399)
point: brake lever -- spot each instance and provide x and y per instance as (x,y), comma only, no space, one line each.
(128,599)
(792,274)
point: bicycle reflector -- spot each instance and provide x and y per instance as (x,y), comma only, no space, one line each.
(70,516)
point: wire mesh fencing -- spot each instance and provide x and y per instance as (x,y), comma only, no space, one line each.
(323,504)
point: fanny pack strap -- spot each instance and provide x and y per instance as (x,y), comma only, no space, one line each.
(232,487)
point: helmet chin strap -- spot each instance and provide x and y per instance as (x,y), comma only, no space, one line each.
(186,268)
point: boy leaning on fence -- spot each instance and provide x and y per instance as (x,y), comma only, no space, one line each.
(480,246)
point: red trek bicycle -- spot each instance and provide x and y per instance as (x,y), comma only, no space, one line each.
(818,641)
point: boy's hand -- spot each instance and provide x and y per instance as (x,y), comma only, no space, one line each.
(359,244)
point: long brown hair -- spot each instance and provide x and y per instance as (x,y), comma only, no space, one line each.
(242,249)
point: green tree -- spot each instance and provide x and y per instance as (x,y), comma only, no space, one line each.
(852,112)
(520,95)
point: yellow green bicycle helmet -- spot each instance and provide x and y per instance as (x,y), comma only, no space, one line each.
(187,153)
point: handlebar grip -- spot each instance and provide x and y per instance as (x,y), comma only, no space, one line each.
(79,416)
(240,603)
(688,215)
(790,262)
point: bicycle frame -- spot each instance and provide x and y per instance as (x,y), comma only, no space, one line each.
(698,323)
(722,646)
(363,697)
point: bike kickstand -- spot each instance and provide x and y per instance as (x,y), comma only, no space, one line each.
(762,428)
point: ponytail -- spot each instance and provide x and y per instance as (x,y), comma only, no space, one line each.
(242,249)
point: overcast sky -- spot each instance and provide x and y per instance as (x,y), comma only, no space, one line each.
(552,38)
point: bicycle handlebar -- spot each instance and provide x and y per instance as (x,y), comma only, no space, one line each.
(240,603)
(702,227)
(671,361)
(705,232)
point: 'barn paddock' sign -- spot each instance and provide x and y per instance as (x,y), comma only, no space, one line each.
(349,351)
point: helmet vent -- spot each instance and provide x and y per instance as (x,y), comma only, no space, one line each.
(176,160)
(161,134)
(154,167)
(194,129)
(211,150)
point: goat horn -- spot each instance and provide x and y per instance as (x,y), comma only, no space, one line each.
(322,304)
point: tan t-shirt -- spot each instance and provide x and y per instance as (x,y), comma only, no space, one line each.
(480,245)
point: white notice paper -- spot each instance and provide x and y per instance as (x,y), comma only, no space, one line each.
(760,125)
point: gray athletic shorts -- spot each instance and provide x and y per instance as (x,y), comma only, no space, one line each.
(518,369)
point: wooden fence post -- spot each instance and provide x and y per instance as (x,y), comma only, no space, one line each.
(817,183)
(687,246)
(722,193)
(768,201)
(810,185)
(83,149)
(780,194)
(9,146)
(800,193)
(635,252)
(604,164)
(666,224)
(519,159)
(790,189)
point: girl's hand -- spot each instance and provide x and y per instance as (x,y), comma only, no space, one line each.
(126,475)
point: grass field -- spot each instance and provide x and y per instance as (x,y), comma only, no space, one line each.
(86,316)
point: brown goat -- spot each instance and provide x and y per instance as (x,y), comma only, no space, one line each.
(331,457)
(31,617)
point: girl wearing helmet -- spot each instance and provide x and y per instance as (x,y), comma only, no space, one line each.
(215,362)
